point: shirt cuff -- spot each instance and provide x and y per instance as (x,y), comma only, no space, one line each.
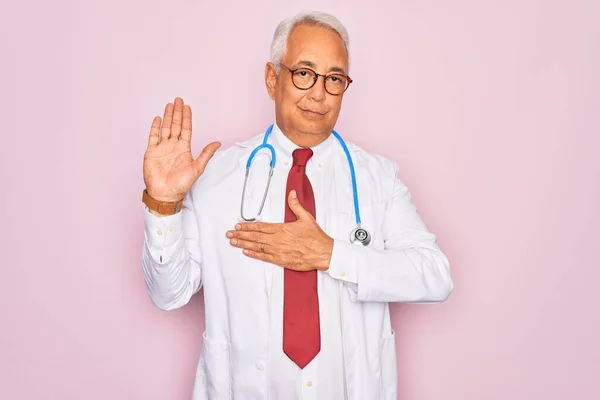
(162,232)
(344,262)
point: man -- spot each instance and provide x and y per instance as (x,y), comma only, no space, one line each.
(294,309)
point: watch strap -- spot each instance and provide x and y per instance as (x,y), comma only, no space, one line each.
(161,207)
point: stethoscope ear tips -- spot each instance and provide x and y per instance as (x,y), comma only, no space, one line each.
(360,235)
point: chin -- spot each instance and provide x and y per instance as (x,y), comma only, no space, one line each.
(312,126)
(314,129)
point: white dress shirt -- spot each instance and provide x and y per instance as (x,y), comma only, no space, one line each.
(323,377)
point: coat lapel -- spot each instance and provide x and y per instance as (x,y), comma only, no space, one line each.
(273,210)
(340,216)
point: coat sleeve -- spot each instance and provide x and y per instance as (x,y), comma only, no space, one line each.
(411,268)
(171,259)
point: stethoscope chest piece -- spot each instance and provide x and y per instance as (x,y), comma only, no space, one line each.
(360,235)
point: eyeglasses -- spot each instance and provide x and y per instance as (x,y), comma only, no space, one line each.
(305,78)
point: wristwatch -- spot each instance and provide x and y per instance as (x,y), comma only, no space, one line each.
(161,207)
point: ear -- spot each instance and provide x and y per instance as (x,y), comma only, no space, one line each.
(270,79)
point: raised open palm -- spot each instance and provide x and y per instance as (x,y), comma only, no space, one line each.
(170,170)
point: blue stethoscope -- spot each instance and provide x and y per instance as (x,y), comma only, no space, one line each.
(358,234)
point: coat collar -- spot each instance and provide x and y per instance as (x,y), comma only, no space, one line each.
(342,196)
(284,147)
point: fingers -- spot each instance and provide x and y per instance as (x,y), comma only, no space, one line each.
(177,119)
(165,132)
(249,245)
(154,137)
(296,207)
(256,226)
(186,128)
(205,156)
(260,256)
(252,236)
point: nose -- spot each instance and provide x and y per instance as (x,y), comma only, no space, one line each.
(317,92)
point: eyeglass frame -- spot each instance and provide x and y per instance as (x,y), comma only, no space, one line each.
(317,75)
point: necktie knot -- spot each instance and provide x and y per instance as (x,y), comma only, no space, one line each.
(301,157)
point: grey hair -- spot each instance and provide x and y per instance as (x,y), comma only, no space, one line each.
(285,28)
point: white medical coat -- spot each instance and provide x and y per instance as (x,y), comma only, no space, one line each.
(188,251)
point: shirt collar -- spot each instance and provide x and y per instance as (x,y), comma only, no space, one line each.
(284,148)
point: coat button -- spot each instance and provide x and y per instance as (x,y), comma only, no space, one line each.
(260,365)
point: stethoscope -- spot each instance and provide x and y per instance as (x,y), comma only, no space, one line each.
(358,234)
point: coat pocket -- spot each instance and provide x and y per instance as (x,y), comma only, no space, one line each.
(389,369)
(217,368)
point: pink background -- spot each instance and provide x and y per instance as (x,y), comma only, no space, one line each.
(489,107)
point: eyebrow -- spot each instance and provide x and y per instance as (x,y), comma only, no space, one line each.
(312,65)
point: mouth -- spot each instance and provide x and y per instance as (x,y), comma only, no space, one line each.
(313,112)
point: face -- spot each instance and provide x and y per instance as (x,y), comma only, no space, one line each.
(308,115)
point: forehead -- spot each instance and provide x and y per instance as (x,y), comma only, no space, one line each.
(316,44)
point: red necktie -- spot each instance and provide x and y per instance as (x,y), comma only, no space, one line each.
(301,332)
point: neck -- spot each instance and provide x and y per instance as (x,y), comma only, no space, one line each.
(303,139)
(306,139)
